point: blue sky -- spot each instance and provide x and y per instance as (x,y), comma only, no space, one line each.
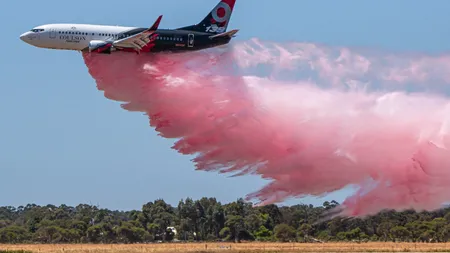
(61,141)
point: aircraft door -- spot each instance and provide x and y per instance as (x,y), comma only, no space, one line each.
(52,33)
(190,40)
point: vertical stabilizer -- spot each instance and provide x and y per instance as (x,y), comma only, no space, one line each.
(217,19)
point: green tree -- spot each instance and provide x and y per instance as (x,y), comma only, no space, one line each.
(401,233)
(207,219)
(284,233)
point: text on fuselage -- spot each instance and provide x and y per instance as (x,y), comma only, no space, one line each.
(72,38)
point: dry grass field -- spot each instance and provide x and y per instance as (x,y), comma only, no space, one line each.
(232,248)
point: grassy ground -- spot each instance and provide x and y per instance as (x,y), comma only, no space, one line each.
(231,247)
(14,251)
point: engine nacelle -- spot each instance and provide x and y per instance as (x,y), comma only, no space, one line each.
(100,46)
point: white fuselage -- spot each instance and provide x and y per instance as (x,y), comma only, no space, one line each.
(73,36)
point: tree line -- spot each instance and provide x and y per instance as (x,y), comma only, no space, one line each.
(207,219)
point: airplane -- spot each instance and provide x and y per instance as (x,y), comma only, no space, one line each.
(104,39)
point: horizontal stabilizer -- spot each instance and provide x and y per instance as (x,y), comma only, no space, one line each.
(225,34)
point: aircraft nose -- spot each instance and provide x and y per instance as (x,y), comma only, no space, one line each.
(28,37)
(23,36)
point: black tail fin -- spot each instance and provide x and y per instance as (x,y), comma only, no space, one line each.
(216,21)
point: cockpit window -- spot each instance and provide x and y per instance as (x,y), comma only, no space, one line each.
(37,30)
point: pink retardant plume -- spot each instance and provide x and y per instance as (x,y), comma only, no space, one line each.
(306,139)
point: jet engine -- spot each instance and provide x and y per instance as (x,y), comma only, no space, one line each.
(100,46)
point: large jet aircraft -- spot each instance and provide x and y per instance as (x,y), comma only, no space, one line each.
(210,32)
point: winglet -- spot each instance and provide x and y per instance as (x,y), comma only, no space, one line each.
(229,34)
(156,24)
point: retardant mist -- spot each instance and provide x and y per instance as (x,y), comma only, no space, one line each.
(311,119)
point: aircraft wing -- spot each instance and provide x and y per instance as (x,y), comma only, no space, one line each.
(229,34)
(140,40)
